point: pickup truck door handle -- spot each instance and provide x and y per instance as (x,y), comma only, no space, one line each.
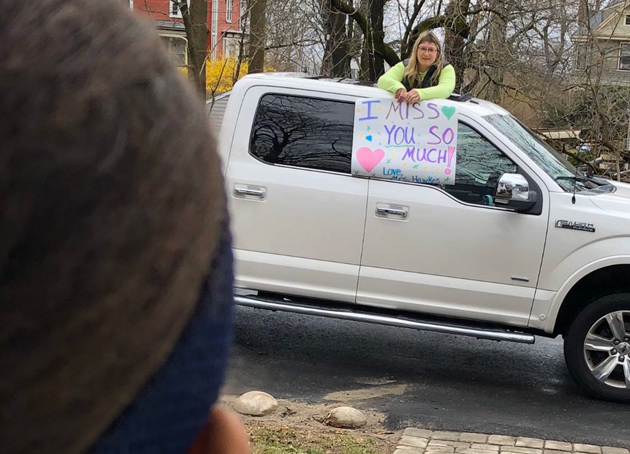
(392,211)
(250,191)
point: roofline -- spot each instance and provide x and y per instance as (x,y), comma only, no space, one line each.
(584,39)
(622,7)
(612,5)
(218,97)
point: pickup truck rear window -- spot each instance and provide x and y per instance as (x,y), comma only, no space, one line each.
(303,132)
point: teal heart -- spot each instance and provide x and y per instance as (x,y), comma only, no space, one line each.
(448,111)
(369,138)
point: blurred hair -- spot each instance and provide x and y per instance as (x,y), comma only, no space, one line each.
(111,201)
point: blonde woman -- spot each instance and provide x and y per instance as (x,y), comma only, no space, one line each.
(424,75)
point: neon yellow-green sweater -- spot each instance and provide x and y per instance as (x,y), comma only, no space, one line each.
(392,81)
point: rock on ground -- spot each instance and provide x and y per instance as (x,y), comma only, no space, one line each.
(346,418)
(256,403)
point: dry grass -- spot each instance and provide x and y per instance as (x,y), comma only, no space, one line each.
(274,439)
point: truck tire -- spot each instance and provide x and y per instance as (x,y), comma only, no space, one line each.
(597,348)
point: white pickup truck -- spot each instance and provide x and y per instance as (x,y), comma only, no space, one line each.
(521,245)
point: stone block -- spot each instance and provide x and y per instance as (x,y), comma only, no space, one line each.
(525,442)
(484,446)
(591,449)
(558,445)
(501,440)
(441,435)
(473,437)
(551,451)
(474,451)
(453,444)
(413,442)
(612,450)
(421,433)
(439,450)
(520,450)
(408,450)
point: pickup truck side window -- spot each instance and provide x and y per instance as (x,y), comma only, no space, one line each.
(303,132)
(479,167)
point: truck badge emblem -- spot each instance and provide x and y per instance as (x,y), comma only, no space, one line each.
(574,225)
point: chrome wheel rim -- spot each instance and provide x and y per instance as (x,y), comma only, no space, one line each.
(607,349)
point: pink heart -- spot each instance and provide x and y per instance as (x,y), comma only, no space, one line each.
(368,158)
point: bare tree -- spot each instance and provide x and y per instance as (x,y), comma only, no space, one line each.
(593,96)
(195,19)
(336,58)
(608,119)
(294,36)
(257,39)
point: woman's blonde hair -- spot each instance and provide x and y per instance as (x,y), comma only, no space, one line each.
(411,71)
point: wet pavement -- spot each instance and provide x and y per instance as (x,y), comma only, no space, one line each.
(421,379)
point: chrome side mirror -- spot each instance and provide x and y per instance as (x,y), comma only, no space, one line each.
(512,186)
(513,191)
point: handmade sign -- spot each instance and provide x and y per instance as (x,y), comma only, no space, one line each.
(406,142)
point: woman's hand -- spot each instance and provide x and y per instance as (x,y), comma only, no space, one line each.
(412,96)
(401,94)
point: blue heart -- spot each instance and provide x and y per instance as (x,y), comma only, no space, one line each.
(369,138)
(448,111)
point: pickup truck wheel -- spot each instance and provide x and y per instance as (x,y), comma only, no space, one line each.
(597,348)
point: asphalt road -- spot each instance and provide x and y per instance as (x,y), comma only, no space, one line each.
(421,379)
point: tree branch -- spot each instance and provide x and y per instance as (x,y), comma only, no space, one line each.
(380,48)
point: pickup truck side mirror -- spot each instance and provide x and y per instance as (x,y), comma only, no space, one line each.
(513,192)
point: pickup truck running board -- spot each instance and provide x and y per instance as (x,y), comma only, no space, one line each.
(283,304)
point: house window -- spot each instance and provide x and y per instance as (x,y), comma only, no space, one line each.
(230,46)
(624,57)
(228,10)
(226,48)
(215,26)
(177,47)
(174,8)
(580,61)
(628,19)
(243,14)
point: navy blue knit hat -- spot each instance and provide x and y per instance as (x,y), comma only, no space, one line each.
(115,261)
(169,412)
